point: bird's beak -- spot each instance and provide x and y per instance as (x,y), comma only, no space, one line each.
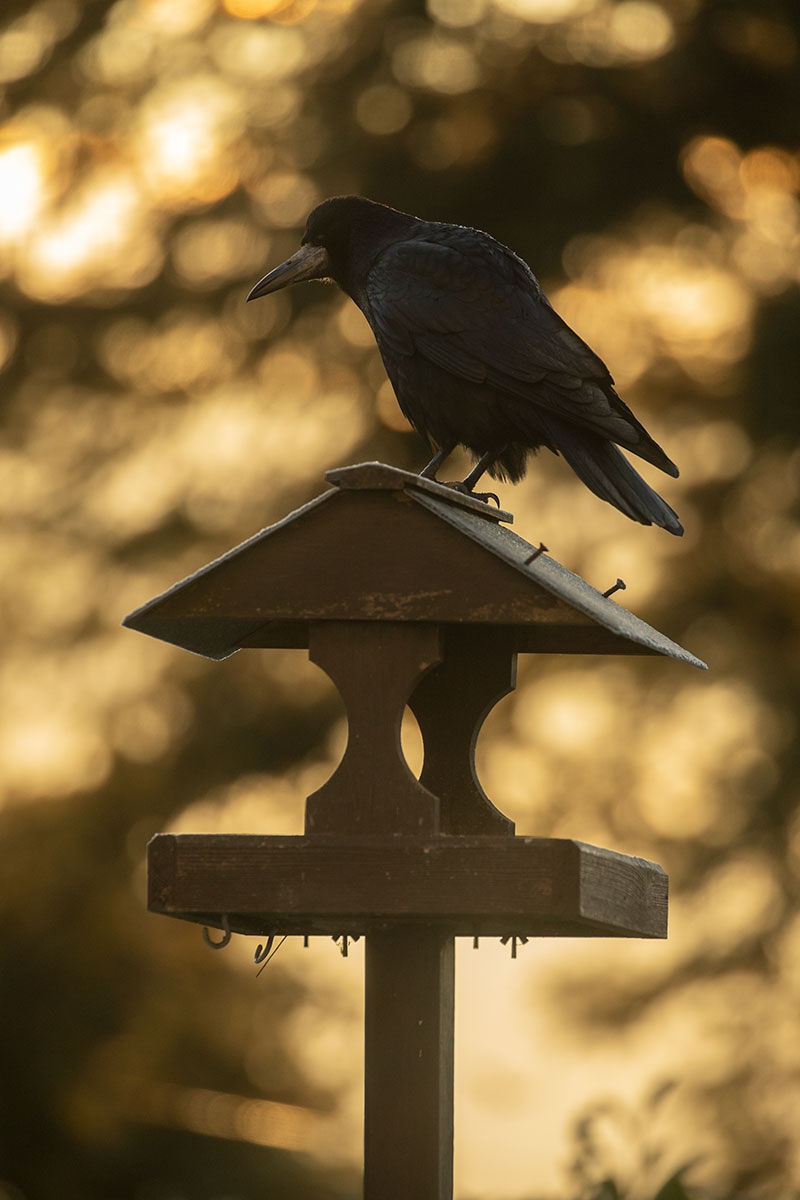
(310,262)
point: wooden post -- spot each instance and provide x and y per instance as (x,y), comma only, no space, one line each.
(409,984)
(408,1064)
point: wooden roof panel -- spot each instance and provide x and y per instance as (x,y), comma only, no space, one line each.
(384,545)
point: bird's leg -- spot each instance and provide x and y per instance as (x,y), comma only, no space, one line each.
(468,483)
(480,468)
(429,472)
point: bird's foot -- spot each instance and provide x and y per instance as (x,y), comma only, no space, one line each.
(459,485)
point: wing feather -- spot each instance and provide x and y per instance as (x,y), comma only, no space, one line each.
(469,305)
(443,302)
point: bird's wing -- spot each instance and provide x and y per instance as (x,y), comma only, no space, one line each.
(472,307)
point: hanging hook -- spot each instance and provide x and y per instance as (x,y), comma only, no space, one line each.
(345,939)
(266,957)
(227,934)
(262,951)
(513,938)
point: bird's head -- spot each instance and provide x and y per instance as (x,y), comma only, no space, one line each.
(342,236)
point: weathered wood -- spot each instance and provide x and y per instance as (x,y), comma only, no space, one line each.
(378,476)
(451,703)
(408,1079)
(375,666)
(391,551)
(368,556)
(492,886)
(534,639)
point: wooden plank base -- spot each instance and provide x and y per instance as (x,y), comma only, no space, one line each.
(491,886)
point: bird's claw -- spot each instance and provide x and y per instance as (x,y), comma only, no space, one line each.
(458,485)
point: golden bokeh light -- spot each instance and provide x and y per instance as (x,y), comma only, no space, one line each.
(285,198)
(598,33)
(26,43)
(121,57)
(182,129)
(262,53)
(383,109)
(711,166)
(437,61)
(288,12)
(251,10)
(167,18)
(209,252)
(99,239)
(658,299)
(640,30)
(757,192)
(458,14)
(692,304)
(546,11)
(718,775)
(22,173)
(36,149)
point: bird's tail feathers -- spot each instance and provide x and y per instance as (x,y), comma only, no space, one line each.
(606,471)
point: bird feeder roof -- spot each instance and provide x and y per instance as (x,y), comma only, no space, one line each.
(385,545)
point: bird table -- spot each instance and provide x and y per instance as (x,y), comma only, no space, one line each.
(407,593)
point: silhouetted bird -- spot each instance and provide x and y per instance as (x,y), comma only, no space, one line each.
(476,354)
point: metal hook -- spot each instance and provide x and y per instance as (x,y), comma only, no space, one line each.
(227,934)
(266,957)
(345,939)
(513,938)
(262,951)
(619,586)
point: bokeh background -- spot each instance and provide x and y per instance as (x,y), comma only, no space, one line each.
(157,157)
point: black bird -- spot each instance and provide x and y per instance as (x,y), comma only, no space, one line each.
(475,352)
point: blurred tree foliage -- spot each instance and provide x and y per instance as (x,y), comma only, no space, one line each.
(156,156)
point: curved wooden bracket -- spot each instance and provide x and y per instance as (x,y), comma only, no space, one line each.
(375,666)
(450,703)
